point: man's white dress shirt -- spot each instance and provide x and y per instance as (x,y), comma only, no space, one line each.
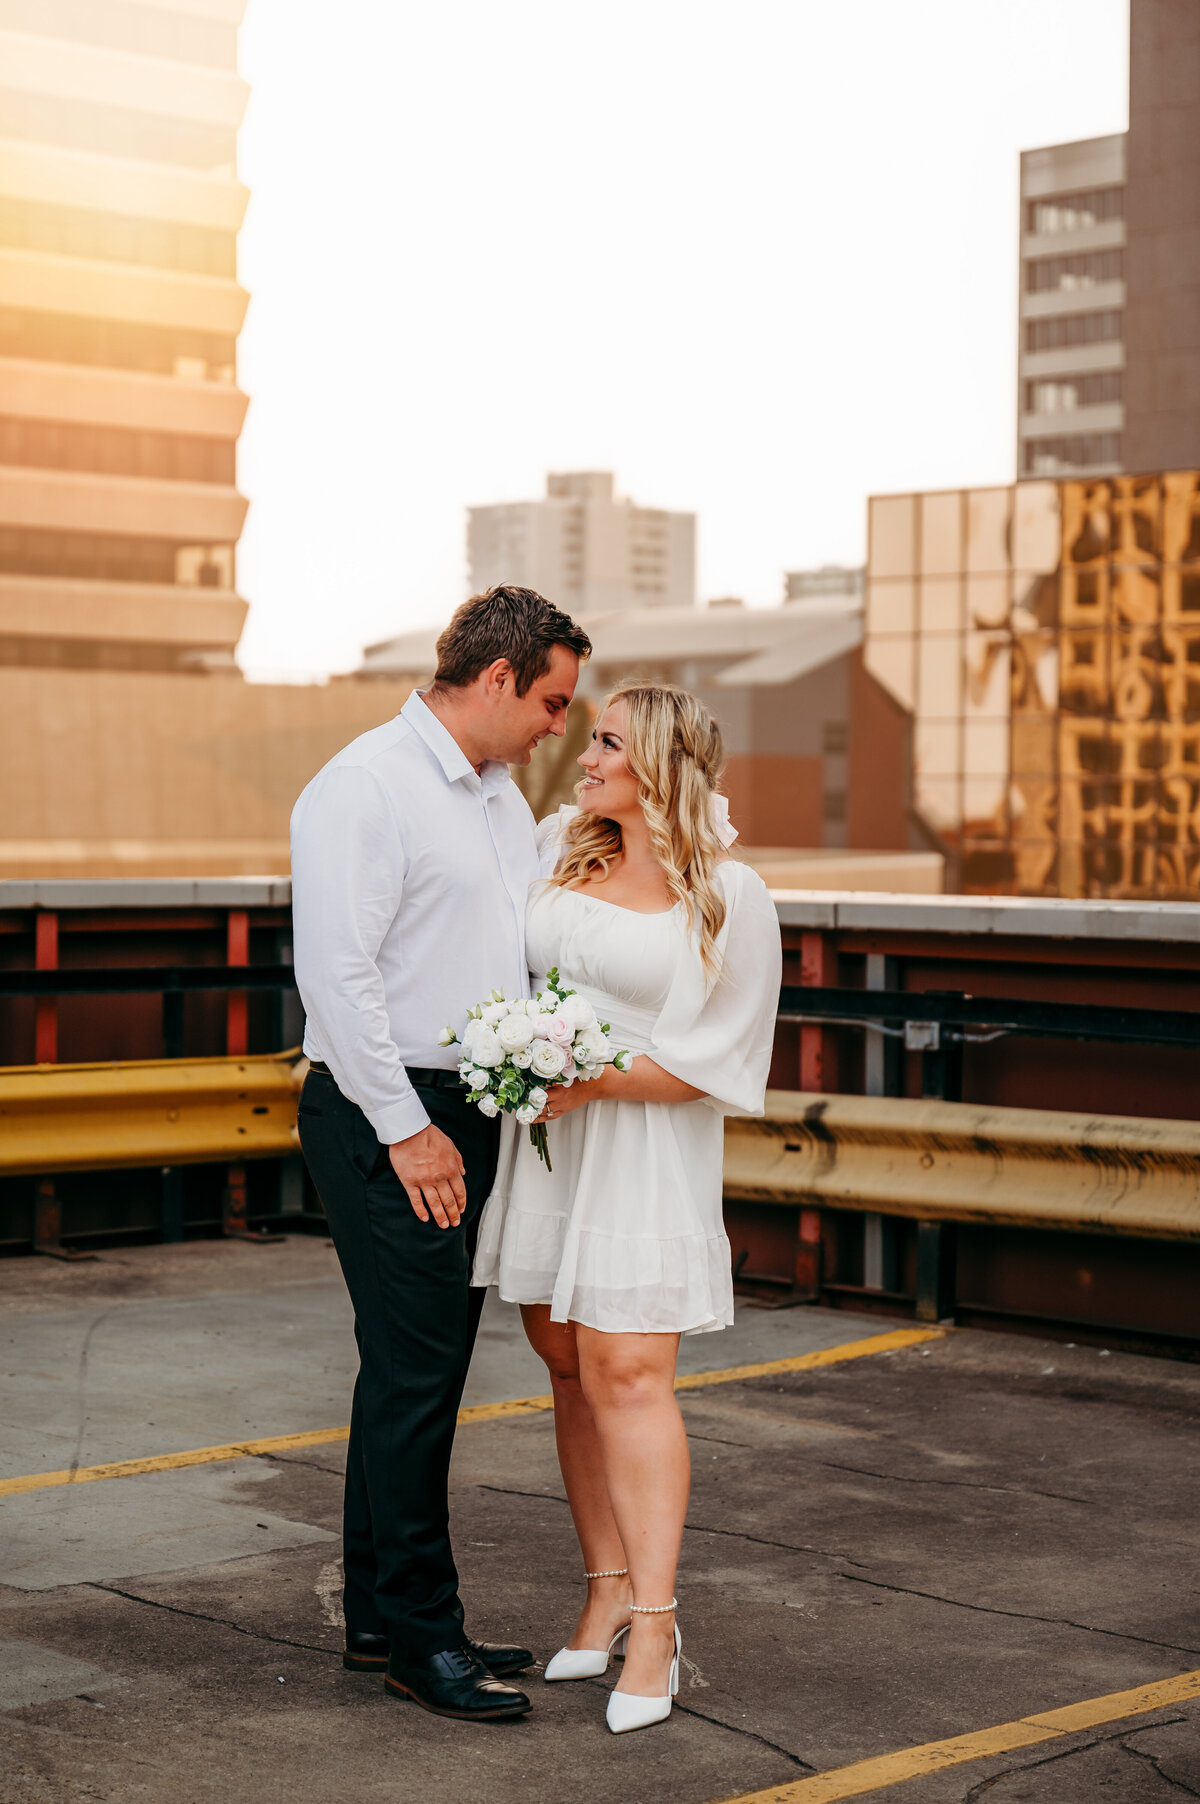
(409,880)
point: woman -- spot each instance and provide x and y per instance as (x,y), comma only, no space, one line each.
(620,1249)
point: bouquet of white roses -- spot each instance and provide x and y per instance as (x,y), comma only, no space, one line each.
(514,1053)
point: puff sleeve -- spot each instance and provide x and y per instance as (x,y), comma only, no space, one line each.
(719,1036)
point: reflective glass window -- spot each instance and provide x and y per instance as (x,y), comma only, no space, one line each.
(939,675)
(890,607)
(941,604)
(941,534)
(890,535)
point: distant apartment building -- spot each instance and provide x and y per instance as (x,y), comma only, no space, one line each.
(1109,360)
(585,548)
(1071,360)
(119,316)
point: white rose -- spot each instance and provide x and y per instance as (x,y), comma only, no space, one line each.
(549,1060)
(541,1024)
(522,1060)
(622,1060)
(578,1011)
(447,1037)
(494,1012)
(592,1043)
(478,1080)
(486,1049)
(515,1033)
(488,1106)
(537,1099)
(526,1114)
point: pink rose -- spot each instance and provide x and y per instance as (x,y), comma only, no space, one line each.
(559,1030)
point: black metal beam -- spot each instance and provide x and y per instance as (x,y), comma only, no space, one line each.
(1050,1020)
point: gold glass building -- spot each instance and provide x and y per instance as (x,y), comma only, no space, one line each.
(1045,640)
(119,314)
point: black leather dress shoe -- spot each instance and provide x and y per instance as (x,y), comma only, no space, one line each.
(455,1683)
(500,1659)
(365,1653)
(369,1653)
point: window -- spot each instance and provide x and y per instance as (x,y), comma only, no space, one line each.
(117,451)
(117,344)
(1059,456)
(833,804)
(1074,212)
(1073,329)
(1048,275)
(1063,394)
(111,238)
(835,737)
(94,556)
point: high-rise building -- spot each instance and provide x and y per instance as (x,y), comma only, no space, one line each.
(1162,315)
(119,314)
(585,548)
(1071,359)
(1109,364)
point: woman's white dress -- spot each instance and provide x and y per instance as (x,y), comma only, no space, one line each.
(625,1234)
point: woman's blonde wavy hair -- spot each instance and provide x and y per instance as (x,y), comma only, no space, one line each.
(673,747)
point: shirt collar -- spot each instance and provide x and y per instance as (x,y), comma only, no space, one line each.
(445,747)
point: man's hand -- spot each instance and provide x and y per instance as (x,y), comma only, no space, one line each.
(429,1166)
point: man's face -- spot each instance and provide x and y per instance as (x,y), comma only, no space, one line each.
(521,722)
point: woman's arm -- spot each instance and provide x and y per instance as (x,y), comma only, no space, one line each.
(643,1082)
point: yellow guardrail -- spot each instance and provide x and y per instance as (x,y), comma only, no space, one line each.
(147,1112)
(970,1162)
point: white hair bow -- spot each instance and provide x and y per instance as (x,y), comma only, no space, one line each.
(723,827)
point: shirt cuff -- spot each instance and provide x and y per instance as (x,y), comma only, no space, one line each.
(400,1120)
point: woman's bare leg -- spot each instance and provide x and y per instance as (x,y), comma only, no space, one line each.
(629,1380)
(608,1600)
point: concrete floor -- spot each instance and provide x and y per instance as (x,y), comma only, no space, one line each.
(879,1554)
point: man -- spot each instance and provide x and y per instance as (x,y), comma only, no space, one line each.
(412,854)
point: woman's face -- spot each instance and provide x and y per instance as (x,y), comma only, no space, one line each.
(610,787)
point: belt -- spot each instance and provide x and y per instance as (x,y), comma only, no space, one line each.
(422,1075)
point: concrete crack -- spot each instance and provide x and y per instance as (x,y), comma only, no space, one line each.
(719,1722)
(740,1534)
(223,1622)
(958,1484)
(1029,1766)
(282,1459)
(1057,1622)
(507,1491)
(1189,1791)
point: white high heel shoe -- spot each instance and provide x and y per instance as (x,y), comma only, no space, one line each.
(625,1711)
(588,1662)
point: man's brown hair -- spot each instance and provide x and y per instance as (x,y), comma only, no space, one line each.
(505,622)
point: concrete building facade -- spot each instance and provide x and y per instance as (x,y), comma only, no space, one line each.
(1071,357)
(119,406)
(1162,429)
(595,552)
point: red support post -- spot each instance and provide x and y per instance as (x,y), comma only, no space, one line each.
(237,952)
(45,958)
(818,1051)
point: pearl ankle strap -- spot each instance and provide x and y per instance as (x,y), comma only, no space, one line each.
(614,1572)
(655,1609)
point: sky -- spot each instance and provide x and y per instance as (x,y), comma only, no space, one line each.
(759,258)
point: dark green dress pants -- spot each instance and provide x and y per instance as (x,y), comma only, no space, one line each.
(415,1317)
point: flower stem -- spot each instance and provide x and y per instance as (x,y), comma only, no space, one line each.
(537,1136)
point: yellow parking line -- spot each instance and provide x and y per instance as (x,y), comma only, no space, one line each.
(956,1750)
(478,1412)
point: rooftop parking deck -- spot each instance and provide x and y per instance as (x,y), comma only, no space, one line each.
(965,1559)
